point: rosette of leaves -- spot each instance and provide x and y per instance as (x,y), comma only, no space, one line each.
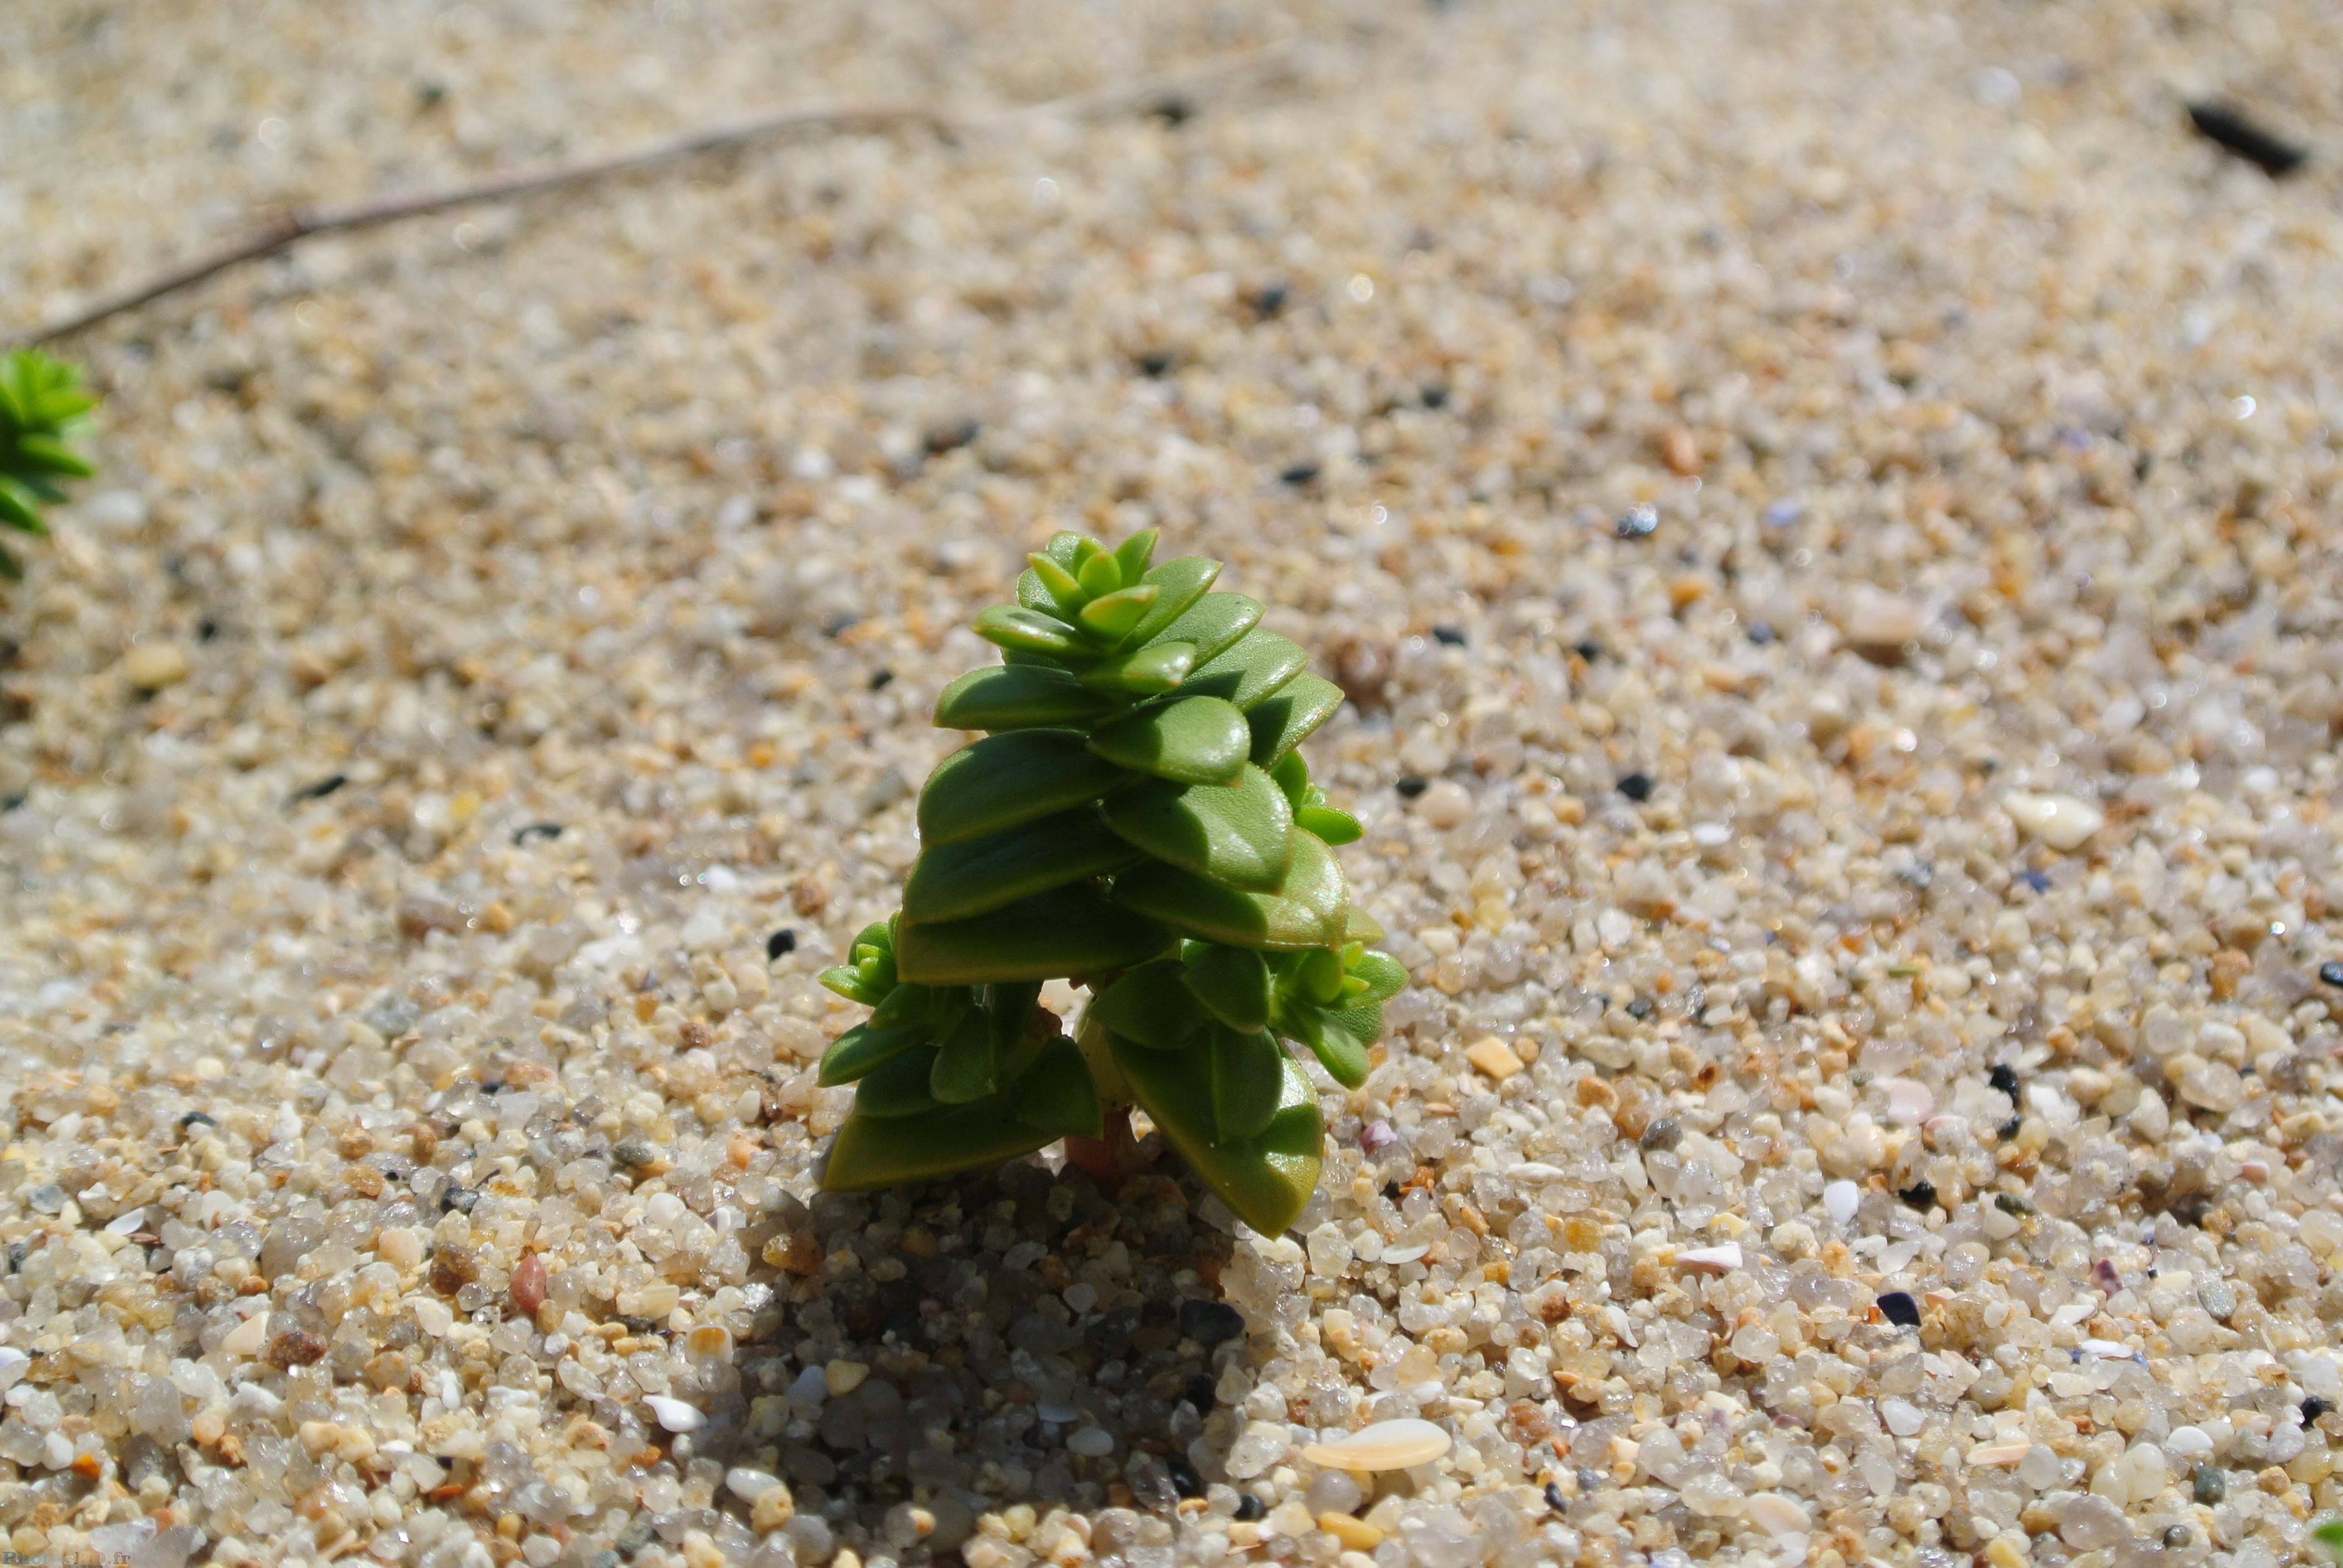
(1137,819)
(42,407)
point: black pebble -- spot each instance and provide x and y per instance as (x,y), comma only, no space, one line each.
(1921,1195)
(1153,364)
(1436,397)
(839,625)
(2175,1536)
(1554,1499)
(1589,651)
(1210,1323)
(2233,132)
(322,788)
(1454,636)
(460,1198)
(780,943)
(1272,299)
(880,680)
(192,1117)
(1184,1479)
(1250,1508)
(2009,1127)
(1411,785)
(1300,474)
(1760,633)
(2313,1408)
(206,629)
(1201,1392)
(538,830)
(2038,881)
(1174,111)
(951,437)
(1637,523)
(1899,1308)
(2004,1077)
(1639,1006)
(2331,971)
(1637,787)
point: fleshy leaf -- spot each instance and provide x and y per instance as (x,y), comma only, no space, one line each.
(1214,625)
(1150,1005)
(1265,1181)
(1332,826)
(1195,740)
(1006,779)
(1358,926)
(965,1068)
(1111,617)
(1342,1053)
(953,881)
(898,1087)
(1131,556)
(1099,575)
(1259,664)
(1056,1095)
(873,1152)
(1384,975)
(1318,976)
(1017,697)
(1292,775)
(1068,931)
(863,1049)
(1307,912)
(1179,585)
(1031,631)
(1283,719)
(1239,835)
(1248,1072)
(1064,595)
(1143,671)
(1363,1022)
(1232,982)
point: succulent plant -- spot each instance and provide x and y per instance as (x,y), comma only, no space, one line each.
(41,406)
(1138,819)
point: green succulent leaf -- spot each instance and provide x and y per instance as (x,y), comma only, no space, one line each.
(1017,697)
(1330,826)
(1318,977)
(907,1004)
(20,507)
(864,1048)
(1099,575)
(1247,1076)
(1131,556)
(1023,631)
(871,1152)
(1195,740)
(1068,931)
(1264,1180)
(965,1066)
(1147,672)
(47,454)
(1006,779)
(1256,666)
(1062,595)
(1343,1054)
(1150,1005)
(1233,983)
(2329,1534)
(897,1087)
(1179,584)
(1358,926)
(1213,626)
(1283,719)
(1305,912)
(1240,835)
(1384,975)
(1114,617)
(1363,1022)
(954,881)
(1056,1095)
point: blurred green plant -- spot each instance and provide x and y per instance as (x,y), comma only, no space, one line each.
(42,407)
(1138,820)
(2329,1534)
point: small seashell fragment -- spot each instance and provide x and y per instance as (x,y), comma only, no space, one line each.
(1721,1260)
(2107,1350)
(1777,1515)
(246,1338)
(1407,1254)
(2065,822)
(1387,1445)
(674,1414)
(1909,1101)
(1494,1057)
(1998,1454)
(1840,1198)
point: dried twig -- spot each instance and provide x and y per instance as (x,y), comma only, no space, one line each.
(1165,93)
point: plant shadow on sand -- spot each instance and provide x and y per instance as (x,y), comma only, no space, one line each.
(1018,1334)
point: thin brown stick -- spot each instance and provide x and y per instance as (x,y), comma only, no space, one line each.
(302,223)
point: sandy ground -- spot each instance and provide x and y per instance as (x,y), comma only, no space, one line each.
(1896,881)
